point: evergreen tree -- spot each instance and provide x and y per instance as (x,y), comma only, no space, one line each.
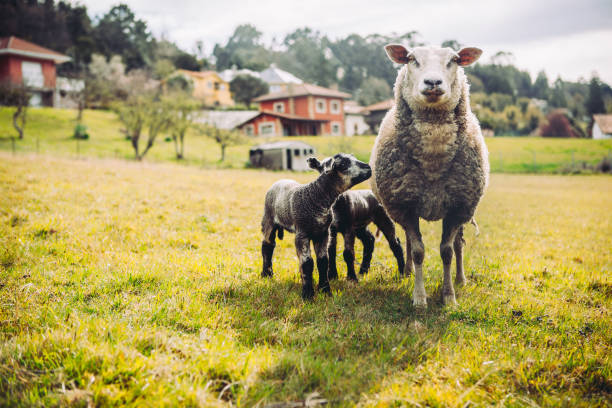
(595,103)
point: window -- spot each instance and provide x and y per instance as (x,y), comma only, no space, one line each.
(334,106)
(209,84)
(321,106)
(311,151)
(217,85)
(335,128)
(222,87)
(249,130)
(32,74)
(296,152)
(305,152)
(266,129)
(279,107)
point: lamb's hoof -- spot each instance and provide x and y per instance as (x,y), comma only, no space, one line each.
(332,275)
(407,272)
(363,271)
(449,300)
(307,293)
(460,281)
(267,273)
(352,278)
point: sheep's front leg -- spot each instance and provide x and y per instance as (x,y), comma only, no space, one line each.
(414,243)
(349,255)
(367,239)
(320,247)
(458,246)
(332,272)
(450,228)
(302,246)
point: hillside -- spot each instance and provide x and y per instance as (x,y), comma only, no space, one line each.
(51,129)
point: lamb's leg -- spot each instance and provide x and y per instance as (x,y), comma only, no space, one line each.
(302,246)
(320,247)
(417,250)
(332,272)
(349,255)
(267,249)
(384,223)
(367,239)
(458,246)
(450,227)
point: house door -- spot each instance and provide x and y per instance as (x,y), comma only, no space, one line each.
(314,130)
(289,163)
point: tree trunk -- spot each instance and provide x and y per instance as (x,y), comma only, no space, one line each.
(182,145)
(176,147)
(222,152)
(16,118)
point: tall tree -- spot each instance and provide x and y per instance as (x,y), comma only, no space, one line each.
(246,88)
(595,103)
(540,87)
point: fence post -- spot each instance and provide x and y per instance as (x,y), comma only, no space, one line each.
(13,145)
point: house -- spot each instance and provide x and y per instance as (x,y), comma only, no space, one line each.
(282,155)
(208,87)
(376,112)
(22,62)
(301,109)
(602,126)
(277,79)
(354,119)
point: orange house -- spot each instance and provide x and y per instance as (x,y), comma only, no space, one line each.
(22,62)
(301,109)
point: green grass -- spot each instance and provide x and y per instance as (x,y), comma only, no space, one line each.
(125,283)
(52,129)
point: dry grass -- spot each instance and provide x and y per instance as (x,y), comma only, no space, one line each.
(138,284)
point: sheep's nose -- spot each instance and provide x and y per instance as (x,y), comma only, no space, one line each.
(432,82)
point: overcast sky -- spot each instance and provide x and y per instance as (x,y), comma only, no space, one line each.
(567,38)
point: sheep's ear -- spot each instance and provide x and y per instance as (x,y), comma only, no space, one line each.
(314,164)
(468,56)
(397,53)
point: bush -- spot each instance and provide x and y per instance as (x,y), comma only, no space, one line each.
(80,132)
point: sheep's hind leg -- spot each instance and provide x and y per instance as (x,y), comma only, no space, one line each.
(367,239)
(450,228)
(384,223)
(416,252)
(267,250)
(320,247)
(458,246)
(302,246)
(349,255)
(332,272)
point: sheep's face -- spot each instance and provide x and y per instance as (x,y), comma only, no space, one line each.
(349,170)
(429,76)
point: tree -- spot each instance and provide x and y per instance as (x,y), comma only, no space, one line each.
(181,110)
(374,90)
(243,49)
(246,88)
(540,87)
(223,137)
(595,103)
(453,44)
(18,97)
(557,95)
(558,125)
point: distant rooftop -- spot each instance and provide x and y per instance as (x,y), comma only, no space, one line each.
(226,119)
(17,46)
(229,74)
(384,105)
(275,75)
(295,144)
(301,90)
(604,122)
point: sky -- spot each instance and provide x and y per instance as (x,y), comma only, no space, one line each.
(567,38)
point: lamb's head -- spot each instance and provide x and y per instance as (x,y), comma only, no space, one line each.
(431,77)
(345,168)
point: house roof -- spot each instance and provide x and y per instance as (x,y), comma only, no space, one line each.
(283,116)
(200,74)
(384,105)
(294,144)
(275,75)
(604,122)
(302,90)
(229,74)
(226,119)
(353,108)
(16,46)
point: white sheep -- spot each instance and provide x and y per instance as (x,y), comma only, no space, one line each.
(429,159)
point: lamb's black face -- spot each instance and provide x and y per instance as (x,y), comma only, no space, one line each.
(351,170)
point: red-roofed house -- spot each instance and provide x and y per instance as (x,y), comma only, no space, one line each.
(22,62)
(300,109)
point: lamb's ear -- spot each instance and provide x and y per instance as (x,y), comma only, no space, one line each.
(314,164)
(468,56)
(397,53)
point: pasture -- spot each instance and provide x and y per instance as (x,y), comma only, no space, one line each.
(125,283)
(49,131)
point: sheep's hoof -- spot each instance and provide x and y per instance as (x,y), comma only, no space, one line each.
(332,275)
(420,302)
(407,272)
(460,281)
(266,273)
(450,300)
(352,278)
(363,271)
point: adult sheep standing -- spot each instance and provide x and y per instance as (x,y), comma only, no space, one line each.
(429,159)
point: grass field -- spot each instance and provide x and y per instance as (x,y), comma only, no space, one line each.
(138,284)
(50,131)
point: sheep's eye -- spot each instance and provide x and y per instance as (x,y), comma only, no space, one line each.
(415,62)
(453,60)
